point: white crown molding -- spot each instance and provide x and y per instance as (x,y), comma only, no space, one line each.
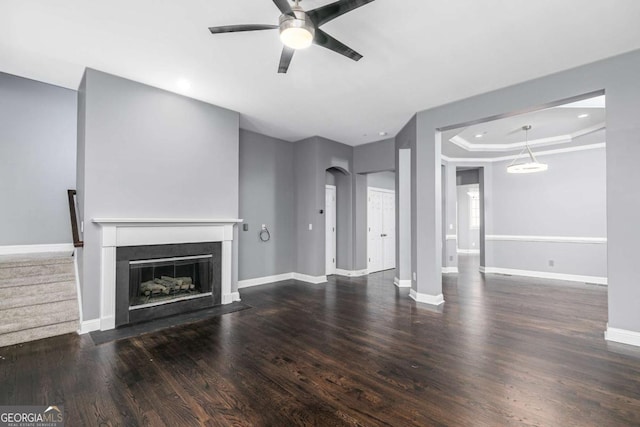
(435,300)
(309,279)
(545,275)
(541,142)
(258,281)
(400,283)
(622,336)
(449,270)
(538,154)
(548,239)
(35,249)
(351,273)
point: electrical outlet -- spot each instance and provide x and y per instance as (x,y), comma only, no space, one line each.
(552,263)
(245,227)
(310,227)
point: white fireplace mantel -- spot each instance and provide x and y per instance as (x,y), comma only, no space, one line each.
(119,232)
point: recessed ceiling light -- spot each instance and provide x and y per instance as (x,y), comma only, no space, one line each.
(183,84)
(383,133)
(583,116)
(479,135)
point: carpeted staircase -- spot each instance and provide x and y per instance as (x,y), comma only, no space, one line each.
(38,297)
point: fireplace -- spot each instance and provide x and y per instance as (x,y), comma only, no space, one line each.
(154,281)
(160,281)
(178,253)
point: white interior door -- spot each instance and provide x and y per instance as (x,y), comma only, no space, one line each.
(381,228)
(330,228)
(374,229)
(388,231)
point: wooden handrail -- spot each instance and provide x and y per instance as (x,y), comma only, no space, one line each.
(77,243)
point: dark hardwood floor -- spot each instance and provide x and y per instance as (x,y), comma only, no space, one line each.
(502,351)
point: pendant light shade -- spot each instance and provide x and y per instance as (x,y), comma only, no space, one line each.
(533,165)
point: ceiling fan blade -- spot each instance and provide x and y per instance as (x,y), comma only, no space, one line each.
(284,7)
(325,40)
(285,59)
(324,14)
(238,28)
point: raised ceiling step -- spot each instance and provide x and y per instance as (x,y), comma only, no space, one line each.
(38,297)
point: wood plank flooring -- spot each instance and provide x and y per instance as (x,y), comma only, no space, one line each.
(502,351)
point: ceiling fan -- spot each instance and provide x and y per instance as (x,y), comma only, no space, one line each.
(299,28)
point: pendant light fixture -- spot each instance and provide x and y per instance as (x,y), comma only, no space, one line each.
(526,167)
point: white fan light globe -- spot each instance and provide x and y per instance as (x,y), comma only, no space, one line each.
(296,38)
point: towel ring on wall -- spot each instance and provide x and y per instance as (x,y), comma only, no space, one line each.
(264,234)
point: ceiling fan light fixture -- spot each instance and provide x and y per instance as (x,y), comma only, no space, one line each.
(530,167)
(533,165)
(298,32)
(296,38)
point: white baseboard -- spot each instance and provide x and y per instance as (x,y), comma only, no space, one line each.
(546,275)
(235,296)
(469,251)
(435,300)
(449,270)
(309,279)
(264,280)
(34,249)
(622,336)
(259,281)
(482,269)
(351,273)
(402,283)
(89,326)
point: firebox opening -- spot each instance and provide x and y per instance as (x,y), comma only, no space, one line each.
(158,281)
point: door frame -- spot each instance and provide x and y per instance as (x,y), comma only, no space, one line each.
(379,190)
(334,243)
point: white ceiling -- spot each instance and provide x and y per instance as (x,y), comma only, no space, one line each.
(417,54)
(569,125)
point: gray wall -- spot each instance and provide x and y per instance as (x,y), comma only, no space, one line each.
(368,160)
(151,153)
(374,157)
(37,161)
(385,180)
(567,200)
(266,197)
(618,78)
(312,158)
(467,176)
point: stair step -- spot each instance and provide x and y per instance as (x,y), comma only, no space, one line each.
(46,331)
(45,258)
(8,273)
(23,296)
(21,318)
(38,297)
(38,280)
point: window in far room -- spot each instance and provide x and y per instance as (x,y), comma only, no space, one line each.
(474,209)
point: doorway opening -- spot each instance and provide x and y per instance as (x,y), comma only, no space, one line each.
(381,222)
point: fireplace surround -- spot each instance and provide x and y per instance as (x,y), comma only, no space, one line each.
(117,233)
